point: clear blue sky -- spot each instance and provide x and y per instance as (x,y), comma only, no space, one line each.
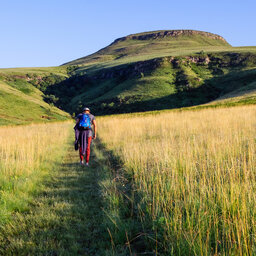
(51,32)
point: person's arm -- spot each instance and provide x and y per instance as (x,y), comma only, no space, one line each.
(77,121)
(78,118)
(95,128)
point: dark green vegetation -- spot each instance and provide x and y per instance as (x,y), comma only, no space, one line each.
(161,83)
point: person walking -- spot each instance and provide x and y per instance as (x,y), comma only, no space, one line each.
(84,134)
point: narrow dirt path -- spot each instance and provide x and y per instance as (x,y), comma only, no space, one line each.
(66,218)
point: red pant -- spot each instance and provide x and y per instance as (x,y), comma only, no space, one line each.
(87,155)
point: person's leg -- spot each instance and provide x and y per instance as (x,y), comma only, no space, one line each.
(81,155)
(89,140)
(82,142)
(76,139)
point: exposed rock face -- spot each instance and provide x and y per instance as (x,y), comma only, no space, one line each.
(169,33)
(198,60)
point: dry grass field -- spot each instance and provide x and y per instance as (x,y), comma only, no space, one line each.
(27,154)
(194,174)
(189,186)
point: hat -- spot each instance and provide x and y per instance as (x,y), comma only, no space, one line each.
(86,109)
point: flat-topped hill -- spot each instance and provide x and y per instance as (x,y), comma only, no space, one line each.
(139,72)
(153,44)
(160,70)
(169,34)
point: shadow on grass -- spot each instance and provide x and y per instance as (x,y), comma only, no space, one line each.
(132,232)
(210,90)
(66,218)
(81,211)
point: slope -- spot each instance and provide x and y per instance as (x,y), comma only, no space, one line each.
(157,70)
(154,44)
(22,102)
(148,45)
(146,71)
(242,96)
(160,83)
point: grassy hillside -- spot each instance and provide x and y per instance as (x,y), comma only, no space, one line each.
(160,83)
(22,99)
(157,70)
(153,44)
(143,72)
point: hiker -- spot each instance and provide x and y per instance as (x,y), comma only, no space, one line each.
(84,134)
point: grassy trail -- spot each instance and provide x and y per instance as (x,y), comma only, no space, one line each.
(67,216)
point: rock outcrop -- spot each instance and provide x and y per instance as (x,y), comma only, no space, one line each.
(169,33)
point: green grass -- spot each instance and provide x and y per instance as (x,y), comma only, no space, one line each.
(27,155)
(18,108)
(162,83)
(182,51)
(81,211)
(136,75)
(130,50)
(75,212)
(21,102)
(155,86)
(35,70)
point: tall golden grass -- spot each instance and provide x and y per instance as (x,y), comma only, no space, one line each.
(195,174)
(27,153)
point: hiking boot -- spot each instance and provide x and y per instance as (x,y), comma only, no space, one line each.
(82,162)
(87,164)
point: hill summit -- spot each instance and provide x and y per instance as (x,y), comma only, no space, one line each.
(169,34)
(148,45)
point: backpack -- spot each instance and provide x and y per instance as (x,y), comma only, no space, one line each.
(85,122)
